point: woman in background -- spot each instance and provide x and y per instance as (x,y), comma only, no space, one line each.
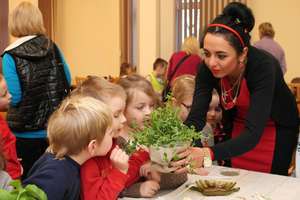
(38,79)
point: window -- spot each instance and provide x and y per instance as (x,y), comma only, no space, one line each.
(193,15)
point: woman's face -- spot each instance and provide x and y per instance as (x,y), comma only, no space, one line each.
(220,57)
(139,109)
(117,106)
(214,113)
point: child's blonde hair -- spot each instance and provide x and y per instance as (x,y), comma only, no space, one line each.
(136,82)
(75,123)
(183,86)
(26,19)
(100,88)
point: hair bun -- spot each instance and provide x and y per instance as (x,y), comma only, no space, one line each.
(241,14)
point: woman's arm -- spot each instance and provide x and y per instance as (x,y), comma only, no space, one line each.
(66,66)
(202,97)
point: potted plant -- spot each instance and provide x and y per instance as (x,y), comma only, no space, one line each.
(165,136)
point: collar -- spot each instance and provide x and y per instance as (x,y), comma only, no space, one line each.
(19,41)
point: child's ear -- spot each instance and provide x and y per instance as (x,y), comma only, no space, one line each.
(92,147)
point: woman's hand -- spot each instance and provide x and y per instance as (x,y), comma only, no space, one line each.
(190,161)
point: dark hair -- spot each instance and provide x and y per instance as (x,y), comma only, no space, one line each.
(159,61)
(236,16)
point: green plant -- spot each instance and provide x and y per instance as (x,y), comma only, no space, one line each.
(165,129)
(29,192)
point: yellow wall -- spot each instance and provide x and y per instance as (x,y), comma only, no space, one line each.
(88,33)
(148,34)
(284,15)
(167,28)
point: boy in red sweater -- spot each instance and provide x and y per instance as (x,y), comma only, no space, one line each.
(100,176)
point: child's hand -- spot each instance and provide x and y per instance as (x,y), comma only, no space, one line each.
(145,169)
(154,175)
(119,159)
(149,188)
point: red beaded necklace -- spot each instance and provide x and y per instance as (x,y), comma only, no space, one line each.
(229,93)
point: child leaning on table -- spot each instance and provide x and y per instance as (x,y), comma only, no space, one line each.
(78,130)
(99,178)
(141,101)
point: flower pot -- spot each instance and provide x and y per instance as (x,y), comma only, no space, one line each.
(162,156)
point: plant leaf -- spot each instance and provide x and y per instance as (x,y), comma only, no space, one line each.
(4,194)
(36,192)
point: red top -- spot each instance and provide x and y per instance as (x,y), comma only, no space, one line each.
(260,158)
(189,66)
(100,180)
(8,140)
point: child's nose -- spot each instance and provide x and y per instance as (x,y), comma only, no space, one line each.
(123,118)
(148,110)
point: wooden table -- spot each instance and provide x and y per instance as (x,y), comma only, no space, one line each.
(253,186)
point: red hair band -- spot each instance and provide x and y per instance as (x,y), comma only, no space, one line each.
(231,30)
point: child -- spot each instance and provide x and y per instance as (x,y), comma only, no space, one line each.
(78,130)
(141,100)
(95,176)
(4,177)
(214,118)
(182,93)
(157,77)
(7,139)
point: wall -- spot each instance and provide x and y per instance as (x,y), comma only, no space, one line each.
(285,18)
(148,34)
(167,28)
(90,41)
(88,34)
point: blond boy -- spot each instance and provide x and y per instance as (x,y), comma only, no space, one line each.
(79,130)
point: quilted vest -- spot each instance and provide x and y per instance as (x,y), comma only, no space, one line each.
(43,83)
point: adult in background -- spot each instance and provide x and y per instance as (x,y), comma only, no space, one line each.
(252,92)
(37,77)
(267,43)
(188,59)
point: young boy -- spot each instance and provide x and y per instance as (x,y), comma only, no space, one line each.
(79,130)
(157,77)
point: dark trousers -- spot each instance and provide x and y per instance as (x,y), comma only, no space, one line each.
(30,150)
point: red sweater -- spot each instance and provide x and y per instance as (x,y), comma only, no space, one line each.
(189,66)
(8,142)
(101,181)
